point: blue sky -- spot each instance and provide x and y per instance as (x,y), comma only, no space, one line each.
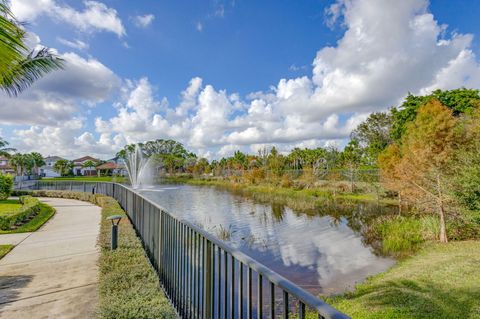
(225,75)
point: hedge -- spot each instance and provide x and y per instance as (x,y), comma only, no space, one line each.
(30,207)
(128,285)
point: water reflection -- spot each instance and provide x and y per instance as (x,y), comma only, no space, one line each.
(320,250)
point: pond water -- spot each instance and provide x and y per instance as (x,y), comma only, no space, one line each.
(322,251)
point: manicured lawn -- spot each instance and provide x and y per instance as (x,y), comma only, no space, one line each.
(5,249)
(87,179)
(9,205)
(440,282)
(46,212)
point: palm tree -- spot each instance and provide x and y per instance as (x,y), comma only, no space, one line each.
(63,167)
(36,160)
(19,163)
(19,68)
(4,151)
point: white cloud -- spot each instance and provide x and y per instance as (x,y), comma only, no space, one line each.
(75,44)
(372,67)
(143,21)
(95,17)
(199,26)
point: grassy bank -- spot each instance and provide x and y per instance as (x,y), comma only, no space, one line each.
(306,198)
(399,235)
(440,282)
(5,249)
(128,285)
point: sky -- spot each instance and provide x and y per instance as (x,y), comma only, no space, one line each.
(225,75)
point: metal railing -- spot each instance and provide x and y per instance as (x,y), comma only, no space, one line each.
(202,276)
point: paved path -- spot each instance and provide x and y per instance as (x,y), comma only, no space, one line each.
(13,239)
(52,273)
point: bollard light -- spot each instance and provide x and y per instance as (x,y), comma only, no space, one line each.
(115,219)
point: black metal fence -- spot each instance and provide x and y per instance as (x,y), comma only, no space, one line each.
(202,276)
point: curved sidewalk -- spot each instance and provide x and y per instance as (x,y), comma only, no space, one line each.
(52,273)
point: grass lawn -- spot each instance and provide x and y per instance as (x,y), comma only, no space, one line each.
(46,212)
(87,179)
(5,249)
(441,281)
(6,206)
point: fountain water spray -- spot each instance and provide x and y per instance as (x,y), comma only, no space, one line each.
(139,168)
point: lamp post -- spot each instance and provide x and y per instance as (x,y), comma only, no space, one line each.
(115,219)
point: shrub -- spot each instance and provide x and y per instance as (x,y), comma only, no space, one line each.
(30,207)
(464,226)
(6,186)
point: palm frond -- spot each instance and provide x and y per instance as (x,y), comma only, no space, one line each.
(19,69)
(33,67)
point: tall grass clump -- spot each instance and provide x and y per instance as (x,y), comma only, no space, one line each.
(401,236)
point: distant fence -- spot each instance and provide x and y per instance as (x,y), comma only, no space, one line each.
(202,276)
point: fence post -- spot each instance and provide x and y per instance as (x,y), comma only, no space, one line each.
(207,280)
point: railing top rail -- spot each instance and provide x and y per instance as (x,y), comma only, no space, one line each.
(307,298)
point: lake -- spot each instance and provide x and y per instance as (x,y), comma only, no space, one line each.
(320,250)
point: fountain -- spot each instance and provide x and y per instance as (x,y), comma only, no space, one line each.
(139,168)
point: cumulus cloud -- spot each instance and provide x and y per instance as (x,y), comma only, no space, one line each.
(143,21)
(379,58)
(96,16)
(67,139)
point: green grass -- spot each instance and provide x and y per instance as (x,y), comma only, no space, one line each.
(87,179)
(128,285)
(442,281)
(9,205)
(5,249)
(46,212)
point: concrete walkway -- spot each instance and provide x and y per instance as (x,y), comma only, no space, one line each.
(52,273)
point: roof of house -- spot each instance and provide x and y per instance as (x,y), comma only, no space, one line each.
(3,158)
(109,165)
(84,159)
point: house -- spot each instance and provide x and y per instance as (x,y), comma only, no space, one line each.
(5,167)
(79,169)
(47,169)
(114,166)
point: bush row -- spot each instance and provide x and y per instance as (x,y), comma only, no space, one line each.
(30,207)
(128,284)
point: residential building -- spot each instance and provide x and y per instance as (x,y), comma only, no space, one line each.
(47,169)
(5,167)
(114,166)
(80,170)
